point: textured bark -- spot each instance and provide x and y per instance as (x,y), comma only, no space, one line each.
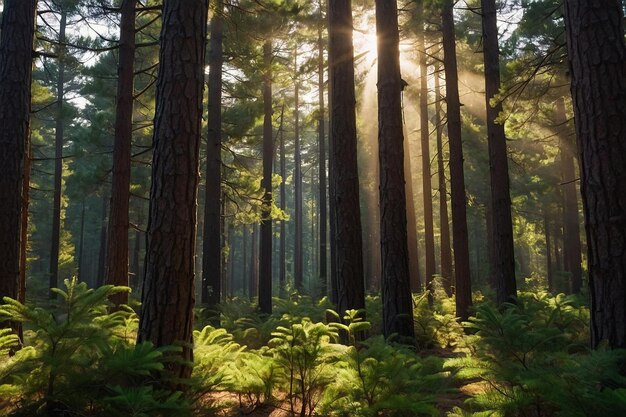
(168,288)
(571,241)
(53,272)
(253,281)
(321,131)
(549,269)
(595,41)
(462,277)
(444,221)
(282,255)
(16,45)
(396,290)
(265,258)
(212,236)
(103,244)
(429,235)
(414,267)
(344,191)
(297,179)
(116,266)
(244,264)
(502,224)
(24,222)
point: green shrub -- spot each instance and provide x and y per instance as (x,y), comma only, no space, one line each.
(78,360)
(533,360)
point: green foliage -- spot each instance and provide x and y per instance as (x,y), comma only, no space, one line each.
(436,325)
(305,353)
(78,360)
(532,360)
(380,378)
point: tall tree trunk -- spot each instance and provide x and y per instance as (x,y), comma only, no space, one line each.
(502,224)
(253,282)
(16,61)
(116,267)
(103,244)
(137,278)
(571,242)
(323,234)
(429,235)
(396,290)
(58,159)
(595,42)
(168,289)
(414,267)
(282,257)
(297,178)
(244,264)
(344,191)
(444,221)
(21,297)
(265,259)
(212,236)
(462,277)
(550,272)
(81,242)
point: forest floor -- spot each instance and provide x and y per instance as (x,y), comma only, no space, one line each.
(446,401)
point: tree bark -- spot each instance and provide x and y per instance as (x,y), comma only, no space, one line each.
(429,235)
(16,61)
(414,267)
(282,256)
(265,259)
(396,290)
(462,277)
(595,42)
(344,191)
(103,244)
(116,266)
(571,241)
(297,179)
(444,221)
(502,224)
(212,234)
(53,276)
(168,288)
(550,271)
(323,219)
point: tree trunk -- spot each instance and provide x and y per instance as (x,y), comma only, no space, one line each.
(103,243)
(297,179)
(396,290)
(444,221)
(137,279)
(168,288)
(429,235)
(323,234)
(58,159)
(244,261)
(282,256)
(549,270)
(462,277)
(253,282)
(265,259)
(502,224)
(28,160)
(16,61)
(595,41)
(116,267)
(414,267)
(212,235)
(81,242)
(344,192)
(571,242)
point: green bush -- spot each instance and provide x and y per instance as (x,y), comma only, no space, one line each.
(533,360)
(78,360)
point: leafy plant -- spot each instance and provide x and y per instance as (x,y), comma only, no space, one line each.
(305,353)
(380,378)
